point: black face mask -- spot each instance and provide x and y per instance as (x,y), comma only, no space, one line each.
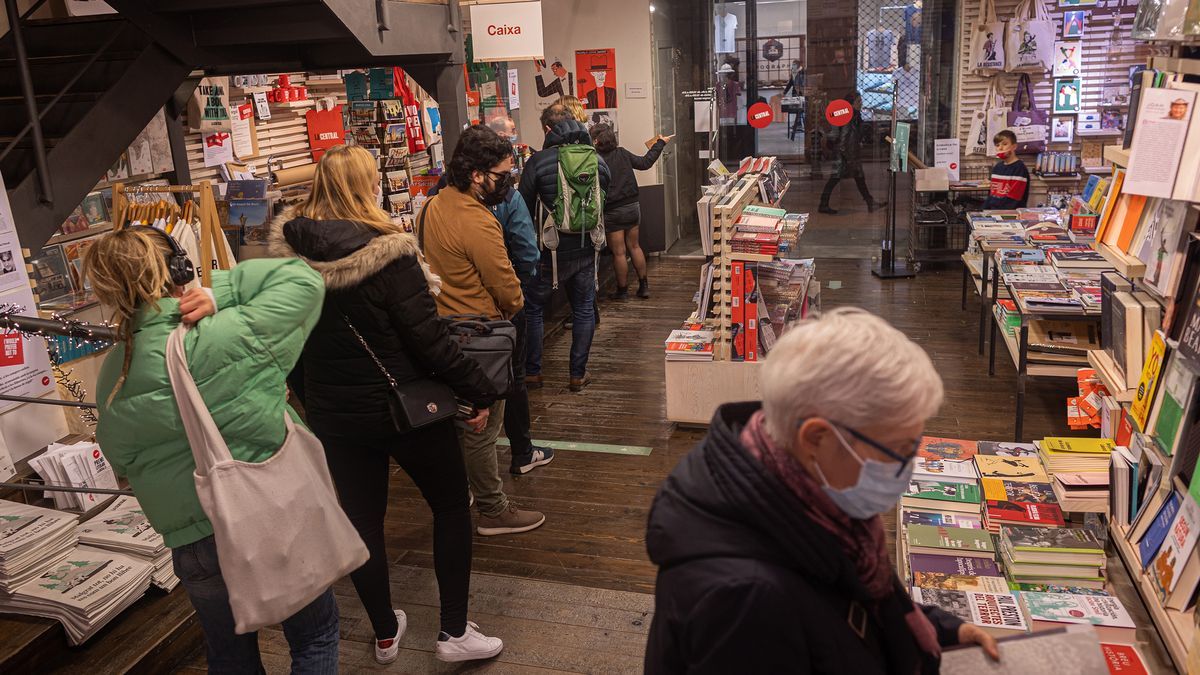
(499,192)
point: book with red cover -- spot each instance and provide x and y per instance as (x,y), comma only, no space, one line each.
(997,513)
(737,312)
(1123,659)
(750,307)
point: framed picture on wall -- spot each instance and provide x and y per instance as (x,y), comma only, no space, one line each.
(1068,58)
(1073,24)
(1067,95)
(1077,3)
(1062,130)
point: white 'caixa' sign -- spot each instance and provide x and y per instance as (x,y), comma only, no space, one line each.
(508,31)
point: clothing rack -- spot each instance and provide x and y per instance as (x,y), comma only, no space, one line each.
(210,222)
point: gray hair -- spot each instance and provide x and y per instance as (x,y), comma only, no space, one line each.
(851,367)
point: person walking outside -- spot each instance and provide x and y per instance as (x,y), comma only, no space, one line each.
(848,163)
(379,315)
(576,255)
(622,212)
(465,246)
(248,330)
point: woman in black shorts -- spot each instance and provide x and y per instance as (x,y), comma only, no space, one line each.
(621,211)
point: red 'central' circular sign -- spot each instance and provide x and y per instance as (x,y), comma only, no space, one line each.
(839,113)
(760,115)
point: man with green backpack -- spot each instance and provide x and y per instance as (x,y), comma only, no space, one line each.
(564,186)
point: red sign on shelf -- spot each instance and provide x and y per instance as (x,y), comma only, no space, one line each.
(760,115)
(839,113)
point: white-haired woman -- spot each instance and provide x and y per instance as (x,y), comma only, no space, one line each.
(772,555)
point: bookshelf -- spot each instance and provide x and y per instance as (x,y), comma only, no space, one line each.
(1110,375)
(694,389)
(1127,265)
(1031,369)
(1174,627)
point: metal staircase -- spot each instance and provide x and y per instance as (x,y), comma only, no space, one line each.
(74,93)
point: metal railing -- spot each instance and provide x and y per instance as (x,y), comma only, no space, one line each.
(16,22)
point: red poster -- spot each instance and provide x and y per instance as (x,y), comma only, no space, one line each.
(412,112)
(325,130)
(11,349)
(597,73)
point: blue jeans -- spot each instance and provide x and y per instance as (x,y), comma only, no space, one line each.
(312,633)
(577,275)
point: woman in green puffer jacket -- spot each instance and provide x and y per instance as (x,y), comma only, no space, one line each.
(249,330)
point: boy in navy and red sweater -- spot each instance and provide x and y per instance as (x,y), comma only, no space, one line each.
(1010,178)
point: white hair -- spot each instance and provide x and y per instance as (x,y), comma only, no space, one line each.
(851,367)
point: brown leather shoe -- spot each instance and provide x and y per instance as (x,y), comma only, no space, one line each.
(578,383)
(510,521)
(533,382)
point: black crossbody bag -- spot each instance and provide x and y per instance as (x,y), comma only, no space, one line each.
(413,404)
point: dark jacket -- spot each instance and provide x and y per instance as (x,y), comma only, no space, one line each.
(746,584)
(622,186)
(539,181)
(848,145)
(378,282)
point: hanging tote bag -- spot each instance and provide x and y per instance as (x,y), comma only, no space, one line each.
(987,42)
(977,137)
(1026,121)
(997,117)
(282,539)
(1029,45)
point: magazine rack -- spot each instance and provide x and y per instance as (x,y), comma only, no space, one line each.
(210,224)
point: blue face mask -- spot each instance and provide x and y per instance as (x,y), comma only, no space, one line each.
(878,487)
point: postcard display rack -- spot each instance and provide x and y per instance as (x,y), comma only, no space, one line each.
(696,388)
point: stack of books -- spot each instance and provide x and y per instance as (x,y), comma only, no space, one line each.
(757,243)
(690,345)
(123,527)
(75,465)
(32,539)
(1069,455)
(83,591)
(1016,491)
(1052,556)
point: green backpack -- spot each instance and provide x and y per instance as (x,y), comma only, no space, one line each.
(578,204)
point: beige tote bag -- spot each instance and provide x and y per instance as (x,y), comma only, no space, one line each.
(282,539)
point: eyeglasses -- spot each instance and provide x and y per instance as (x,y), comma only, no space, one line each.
(498,175)
(904,459)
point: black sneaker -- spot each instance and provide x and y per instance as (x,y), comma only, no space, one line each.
(538,457)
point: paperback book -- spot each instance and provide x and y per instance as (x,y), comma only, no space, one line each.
(953,564)
(949,541)
(947,448)
(1019,469)
(959,582)
(943,519)
(1097,610)
(990,610)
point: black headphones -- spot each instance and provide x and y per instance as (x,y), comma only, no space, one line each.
(179,266)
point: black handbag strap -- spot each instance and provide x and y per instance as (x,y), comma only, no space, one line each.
(421,224)
(371,352)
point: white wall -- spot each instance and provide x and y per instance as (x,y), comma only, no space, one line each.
(623,25)
(782,17)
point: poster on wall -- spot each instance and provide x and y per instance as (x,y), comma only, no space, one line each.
(1073,23)
(597,73)
(1066,95)
(218,148)
(1062,130)
(552,81)
(514,94)
(1068,59)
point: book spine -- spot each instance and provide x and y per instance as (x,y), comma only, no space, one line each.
(750,307)
(737,316)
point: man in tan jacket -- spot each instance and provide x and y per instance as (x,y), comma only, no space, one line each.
(464,245)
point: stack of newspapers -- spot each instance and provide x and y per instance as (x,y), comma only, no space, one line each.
(84,591)
(76,465)
(32,539)
(123,527)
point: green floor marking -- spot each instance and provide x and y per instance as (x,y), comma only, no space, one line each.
(589,447)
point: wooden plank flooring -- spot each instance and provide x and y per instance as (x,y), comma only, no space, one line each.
(569,596)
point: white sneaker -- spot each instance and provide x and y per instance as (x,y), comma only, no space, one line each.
(471,646)
(387,651)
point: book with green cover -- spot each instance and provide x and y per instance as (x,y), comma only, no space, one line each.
(943,491)
(935,539)
(1095,446)
(1173,403)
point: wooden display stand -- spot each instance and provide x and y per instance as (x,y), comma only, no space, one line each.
(696,388)
(210,222)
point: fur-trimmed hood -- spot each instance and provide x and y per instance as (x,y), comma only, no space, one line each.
(344,252)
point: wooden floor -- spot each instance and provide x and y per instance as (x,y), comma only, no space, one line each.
(572,595)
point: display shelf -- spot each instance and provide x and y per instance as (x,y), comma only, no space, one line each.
(1174,627)
(696,388)
(307,103)
(1098,170)
(1032,369)
(1127,265)
(76,236)
(1118,156)
(1110,375)
(1176,65)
